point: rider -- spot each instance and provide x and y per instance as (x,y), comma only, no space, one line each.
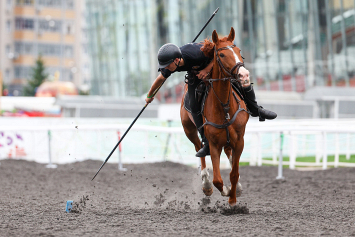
(190,58)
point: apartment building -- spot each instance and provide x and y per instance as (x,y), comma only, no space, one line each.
(50,28)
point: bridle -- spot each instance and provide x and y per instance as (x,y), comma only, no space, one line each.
(231,78)
(237,66)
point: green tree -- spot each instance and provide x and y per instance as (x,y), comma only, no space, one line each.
(38,76)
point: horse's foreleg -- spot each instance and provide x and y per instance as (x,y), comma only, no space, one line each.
(228,152)
(217,179)
(236,188)
(206,183)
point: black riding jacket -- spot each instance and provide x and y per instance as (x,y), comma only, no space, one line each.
(194,59)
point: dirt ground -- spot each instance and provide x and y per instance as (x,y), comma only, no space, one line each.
(165,199)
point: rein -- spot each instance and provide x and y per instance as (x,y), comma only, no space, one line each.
(226,107)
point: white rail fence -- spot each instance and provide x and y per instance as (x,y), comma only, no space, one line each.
(55,143)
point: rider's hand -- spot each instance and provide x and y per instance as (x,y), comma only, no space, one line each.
(149,100)
(203,74)
(244,77)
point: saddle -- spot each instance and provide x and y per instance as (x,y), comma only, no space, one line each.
(201,93)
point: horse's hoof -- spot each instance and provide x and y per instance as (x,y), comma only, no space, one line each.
(226,191)
(239,190)
(232,202)
(207,192)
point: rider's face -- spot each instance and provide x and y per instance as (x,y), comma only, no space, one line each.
(172,66)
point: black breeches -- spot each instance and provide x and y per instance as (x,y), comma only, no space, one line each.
(193,82)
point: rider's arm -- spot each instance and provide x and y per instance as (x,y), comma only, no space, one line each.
(205,72)
(158,81)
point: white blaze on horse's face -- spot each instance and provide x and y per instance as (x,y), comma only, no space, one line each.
(235,56)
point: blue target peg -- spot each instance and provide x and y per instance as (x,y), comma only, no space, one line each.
(69,206)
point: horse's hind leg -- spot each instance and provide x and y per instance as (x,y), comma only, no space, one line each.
(234,174)
(191,133)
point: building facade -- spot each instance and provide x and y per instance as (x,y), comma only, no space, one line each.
(288,45)
(50,28)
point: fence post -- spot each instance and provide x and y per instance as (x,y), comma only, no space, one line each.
(167,142)
(336,155)
(274,150)
(253,153)
(325,156)
(259,152)
(348,146)
(292,155)
(318,147)
(120,167)
(50,165)
(279,176)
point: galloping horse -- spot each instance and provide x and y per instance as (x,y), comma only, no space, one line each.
(224,115)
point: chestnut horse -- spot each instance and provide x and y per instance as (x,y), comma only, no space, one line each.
(224,116)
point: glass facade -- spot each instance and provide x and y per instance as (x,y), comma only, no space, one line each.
(288,45)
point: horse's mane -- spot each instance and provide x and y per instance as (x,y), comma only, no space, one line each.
(208,46)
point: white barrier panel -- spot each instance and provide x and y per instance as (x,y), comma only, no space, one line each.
(148,141)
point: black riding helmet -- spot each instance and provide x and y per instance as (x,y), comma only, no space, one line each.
(167,53)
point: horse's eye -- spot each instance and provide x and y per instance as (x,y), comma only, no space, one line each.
(221,55)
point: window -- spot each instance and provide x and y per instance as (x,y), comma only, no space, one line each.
(28,2)
(49,26)
(50,3)
(24,2)
(85,34)
(22,72)
(24,48)
(28,48)
(69,4)
(9,3)
(7,74)
(85,48)
(24,23)
(68,51)
(8,49)
(68,28)
(49,49)
(44,49)
(8,26)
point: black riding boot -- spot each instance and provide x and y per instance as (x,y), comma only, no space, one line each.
(205,150)
(254,108)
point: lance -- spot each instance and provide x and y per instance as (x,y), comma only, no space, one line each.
(145,106)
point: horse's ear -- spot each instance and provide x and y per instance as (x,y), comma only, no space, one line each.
(231,35)
(215,38)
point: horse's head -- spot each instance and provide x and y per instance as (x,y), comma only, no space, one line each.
(227,54)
